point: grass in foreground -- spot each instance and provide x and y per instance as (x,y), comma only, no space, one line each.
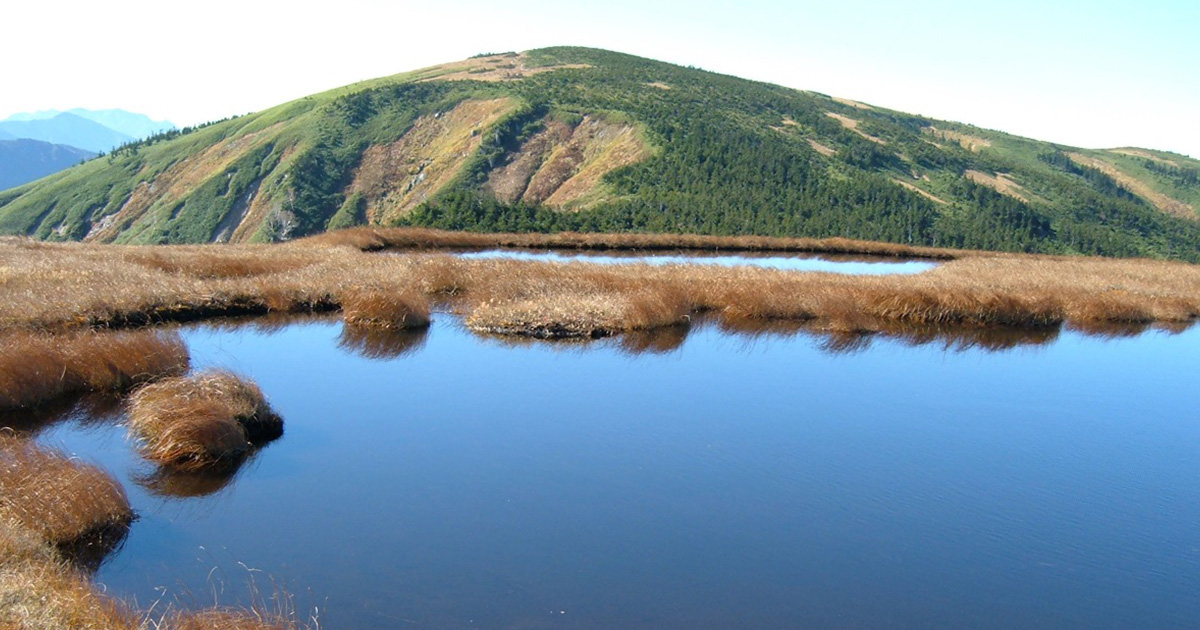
(37,368)
(58,499)
(49,502)
(201,421)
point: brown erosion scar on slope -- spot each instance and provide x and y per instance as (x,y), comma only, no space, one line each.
(395,178)
(852,125)
(494,68)
(263,203)
(563,164)
(1001,183)
(1160,201)
(852,103)
(974,144)
(920,191)
(177,181)
(1145,154)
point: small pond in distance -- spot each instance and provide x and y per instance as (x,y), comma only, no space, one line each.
(854,265)
(712,481)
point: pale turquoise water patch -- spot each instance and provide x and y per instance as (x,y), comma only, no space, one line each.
(717,481)
(862,267)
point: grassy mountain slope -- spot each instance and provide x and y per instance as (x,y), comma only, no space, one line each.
(25,160)
(582,139)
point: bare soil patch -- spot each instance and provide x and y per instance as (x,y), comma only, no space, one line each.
(396,178)
(178,180)
(820,148)
(1162,202)
(971,143)
(563,164)
(846,101)
(1001,183)
(920,191)
(852,125)
(493,68)
(1145,154)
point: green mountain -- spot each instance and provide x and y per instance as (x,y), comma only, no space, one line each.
(66,128)
(582,139)
(25,160)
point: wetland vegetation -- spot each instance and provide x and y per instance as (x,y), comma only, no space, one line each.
(88,332)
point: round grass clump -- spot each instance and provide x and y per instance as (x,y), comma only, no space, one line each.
(390,309)
(202,420)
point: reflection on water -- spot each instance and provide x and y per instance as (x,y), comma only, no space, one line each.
(858,265)
(725,475)
(172,483)
(373,342)
(654,341)
(950,337)
(85,409)
(90,551)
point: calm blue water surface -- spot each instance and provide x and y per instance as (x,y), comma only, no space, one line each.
(721,481)
(792,262)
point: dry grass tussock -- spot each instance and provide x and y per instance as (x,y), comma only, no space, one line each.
(55,497)
(200,421)
(36,368)
(76,285)
(38,591)
(578,306)
(383,308)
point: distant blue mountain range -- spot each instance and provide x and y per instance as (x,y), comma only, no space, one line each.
(25,160)
(67,129)
(33,145)
(134,126)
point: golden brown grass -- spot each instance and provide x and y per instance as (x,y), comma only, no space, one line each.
(565,309)
(61,285)
(38,591)
(55,497)
(200,421)
(36,368)
(227,619)
(385,308)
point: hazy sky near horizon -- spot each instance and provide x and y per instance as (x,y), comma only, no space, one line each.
(1101,73)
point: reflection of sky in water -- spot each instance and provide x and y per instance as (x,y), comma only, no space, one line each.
(713,481)
(792,263)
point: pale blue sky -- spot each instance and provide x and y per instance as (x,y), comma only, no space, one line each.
(1093,74)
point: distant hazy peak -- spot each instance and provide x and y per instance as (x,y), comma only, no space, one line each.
(124,122)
